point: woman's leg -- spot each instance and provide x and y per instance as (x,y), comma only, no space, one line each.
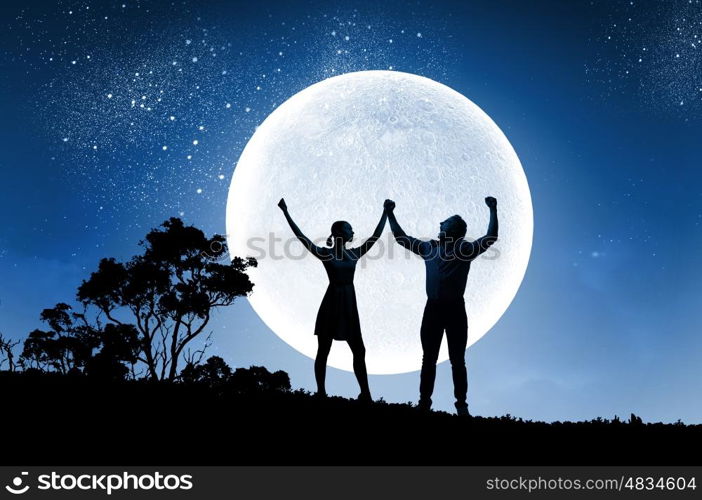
(320,363)
(359,367)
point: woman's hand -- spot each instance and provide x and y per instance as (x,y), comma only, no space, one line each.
(282,205)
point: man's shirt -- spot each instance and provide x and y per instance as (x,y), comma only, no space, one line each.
(447,263)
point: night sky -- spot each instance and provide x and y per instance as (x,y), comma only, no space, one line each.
(118,115)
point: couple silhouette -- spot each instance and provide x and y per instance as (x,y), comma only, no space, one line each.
(447,261)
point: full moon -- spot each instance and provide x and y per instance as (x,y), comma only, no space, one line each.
(335,151)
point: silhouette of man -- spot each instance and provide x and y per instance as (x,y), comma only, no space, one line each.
(447,262)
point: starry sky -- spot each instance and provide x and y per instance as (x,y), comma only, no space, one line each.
(118,115)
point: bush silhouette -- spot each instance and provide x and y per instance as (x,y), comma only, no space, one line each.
(215,371)
(258,379)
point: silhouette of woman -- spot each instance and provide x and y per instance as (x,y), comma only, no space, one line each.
(337,318)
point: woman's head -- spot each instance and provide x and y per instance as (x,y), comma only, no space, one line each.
(340,230)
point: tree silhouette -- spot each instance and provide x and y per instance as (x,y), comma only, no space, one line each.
(169,292)
(120,347)
(72,344)
(65,347)
(7,352)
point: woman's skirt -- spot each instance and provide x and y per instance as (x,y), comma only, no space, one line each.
(338,314)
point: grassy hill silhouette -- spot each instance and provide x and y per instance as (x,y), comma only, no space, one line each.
(116,380)
(74,419)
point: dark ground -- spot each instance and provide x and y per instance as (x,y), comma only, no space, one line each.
(64,420)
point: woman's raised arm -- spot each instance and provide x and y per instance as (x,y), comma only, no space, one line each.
(376,235)
(314,249)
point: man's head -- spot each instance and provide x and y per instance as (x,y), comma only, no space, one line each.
(452,228)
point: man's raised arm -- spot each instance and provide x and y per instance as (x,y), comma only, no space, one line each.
(401,237)
(486,241)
